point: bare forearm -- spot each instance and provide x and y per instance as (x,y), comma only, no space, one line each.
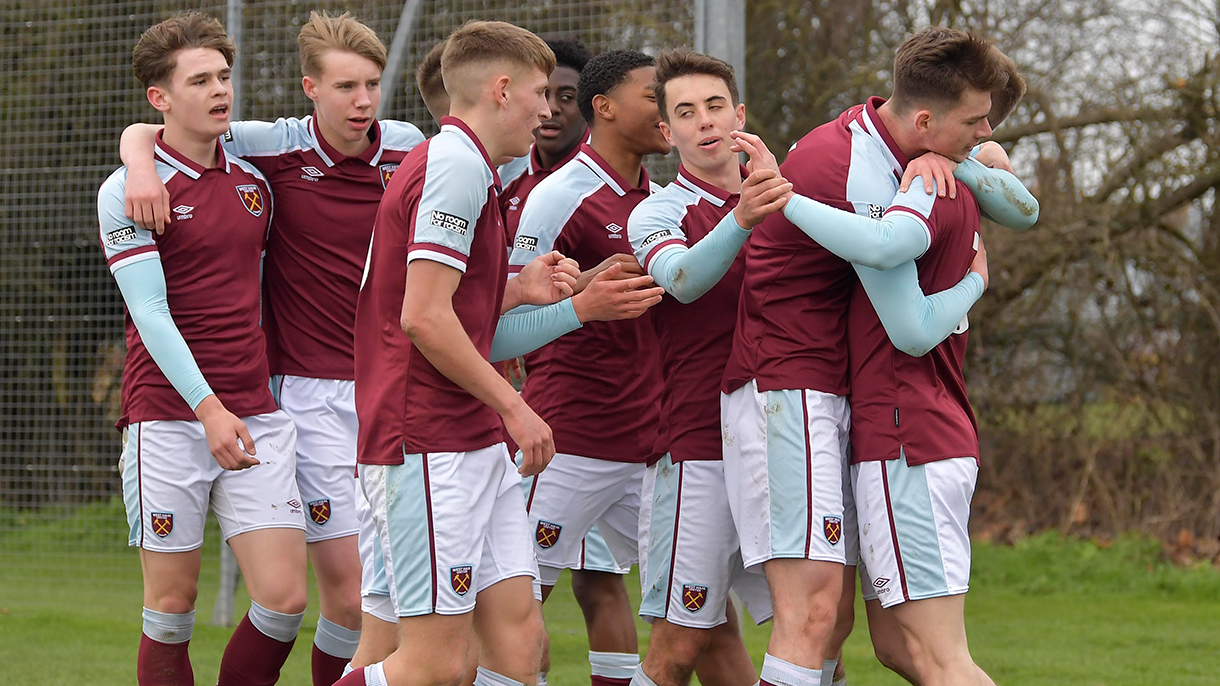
(137,143)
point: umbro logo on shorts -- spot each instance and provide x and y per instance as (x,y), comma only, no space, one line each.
(547,534)
(319,511)
(162,523)
(833,528)
(460,578)
(880,582)
(693,597)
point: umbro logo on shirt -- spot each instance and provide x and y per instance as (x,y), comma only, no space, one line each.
(183,212)
(513,203)
(615,230)
(312,174)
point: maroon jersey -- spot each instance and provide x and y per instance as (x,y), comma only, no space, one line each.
(441,205)
(211,258)
(792,317)
(696,338)
(512,200)
(916,406)
(320,235)
(599,387)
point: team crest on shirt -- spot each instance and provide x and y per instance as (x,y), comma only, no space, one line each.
(252,198)
(833,528)
(547,534)
(319,511)
(162,523)
(387,170)
(693,597)
(461,578)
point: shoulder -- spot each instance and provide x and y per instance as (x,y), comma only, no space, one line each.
(249,169)
(400,135)
(569,185)
(669,203)
(448,153)
(513,170)
(286,134)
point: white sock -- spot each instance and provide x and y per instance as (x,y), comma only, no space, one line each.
(613,665)
(840,682)
(336,640)
(641,679)
(167,628)
(347,669)
(781,673)
(541,678)
(277,625)
(828,672)
(374,675)
(486,677)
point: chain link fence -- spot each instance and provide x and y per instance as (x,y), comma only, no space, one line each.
(66,95)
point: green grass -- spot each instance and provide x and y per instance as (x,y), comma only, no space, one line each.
(1044,612)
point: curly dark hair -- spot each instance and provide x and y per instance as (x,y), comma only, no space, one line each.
(570,53)
(604,73)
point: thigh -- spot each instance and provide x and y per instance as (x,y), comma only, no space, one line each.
(273,567)
(264,496)
(324,413)
(168,474)
(171,580)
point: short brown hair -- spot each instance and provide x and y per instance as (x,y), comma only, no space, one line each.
(156,54)
(672,64)
(428,73)
(1004,100)
(325,31)
(937,65)
(485,42)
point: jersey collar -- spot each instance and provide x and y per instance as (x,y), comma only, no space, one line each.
(871,121)
(331,156)
(459,127)
(589,157)
(536,161)
(184,164)
(713,194)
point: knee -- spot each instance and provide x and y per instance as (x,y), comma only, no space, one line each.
(174,604)
(845,621)
(598,589)
(677,649)
(808,619)
(288,601)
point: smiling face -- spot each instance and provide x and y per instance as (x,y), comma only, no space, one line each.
(565,128)
(954,130)
(346,94)
(525,108)
(701,115)
(199,94)
(636,113)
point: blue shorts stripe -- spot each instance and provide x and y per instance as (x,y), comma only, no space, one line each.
(915,527)
(788,472)
(662,528)
(408,509)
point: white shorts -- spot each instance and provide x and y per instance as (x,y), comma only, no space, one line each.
(570,496)
(689,554)
(595,555)
(784,454)
(451,525)
(374,588)
(324,411)
(915,542)
(170,478)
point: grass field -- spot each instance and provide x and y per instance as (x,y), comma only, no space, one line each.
(1044,612)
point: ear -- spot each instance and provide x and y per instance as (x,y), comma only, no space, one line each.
(159,98)
(741,116)
(499,89)
(922,121)
(604,107)
(310,87)
(667,132)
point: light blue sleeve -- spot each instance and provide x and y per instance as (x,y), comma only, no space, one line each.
(916,323)
(1001,196)
(143,286)
(688,273)
(260,138)
(525,329)
(876,243)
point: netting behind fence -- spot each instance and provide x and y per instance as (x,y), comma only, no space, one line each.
(66,95)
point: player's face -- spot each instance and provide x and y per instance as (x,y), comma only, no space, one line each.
(526,109)
(200,93)
(956,130)
(637,114)
(346,94)
(701,115)
(565,128)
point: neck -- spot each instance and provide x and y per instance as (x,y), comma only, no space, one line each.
(198,148)
(348,148)
(897,127)
(614,150)
(485,128)
(726,176)
(549,161)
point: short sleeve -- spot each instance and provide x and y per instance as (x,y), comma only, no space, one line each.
(122,242)
(400,135)
(917,203)
(451,202)
(656,226)
(261,138)
(547,210)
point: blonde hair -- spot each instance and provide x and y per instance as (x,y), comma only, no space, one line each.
(325,31)
(488,42)
(156,54)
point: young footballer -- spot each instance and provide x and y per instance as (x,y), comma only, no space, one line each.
(329,171)
(600,387)
(200,424)
(689,554)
